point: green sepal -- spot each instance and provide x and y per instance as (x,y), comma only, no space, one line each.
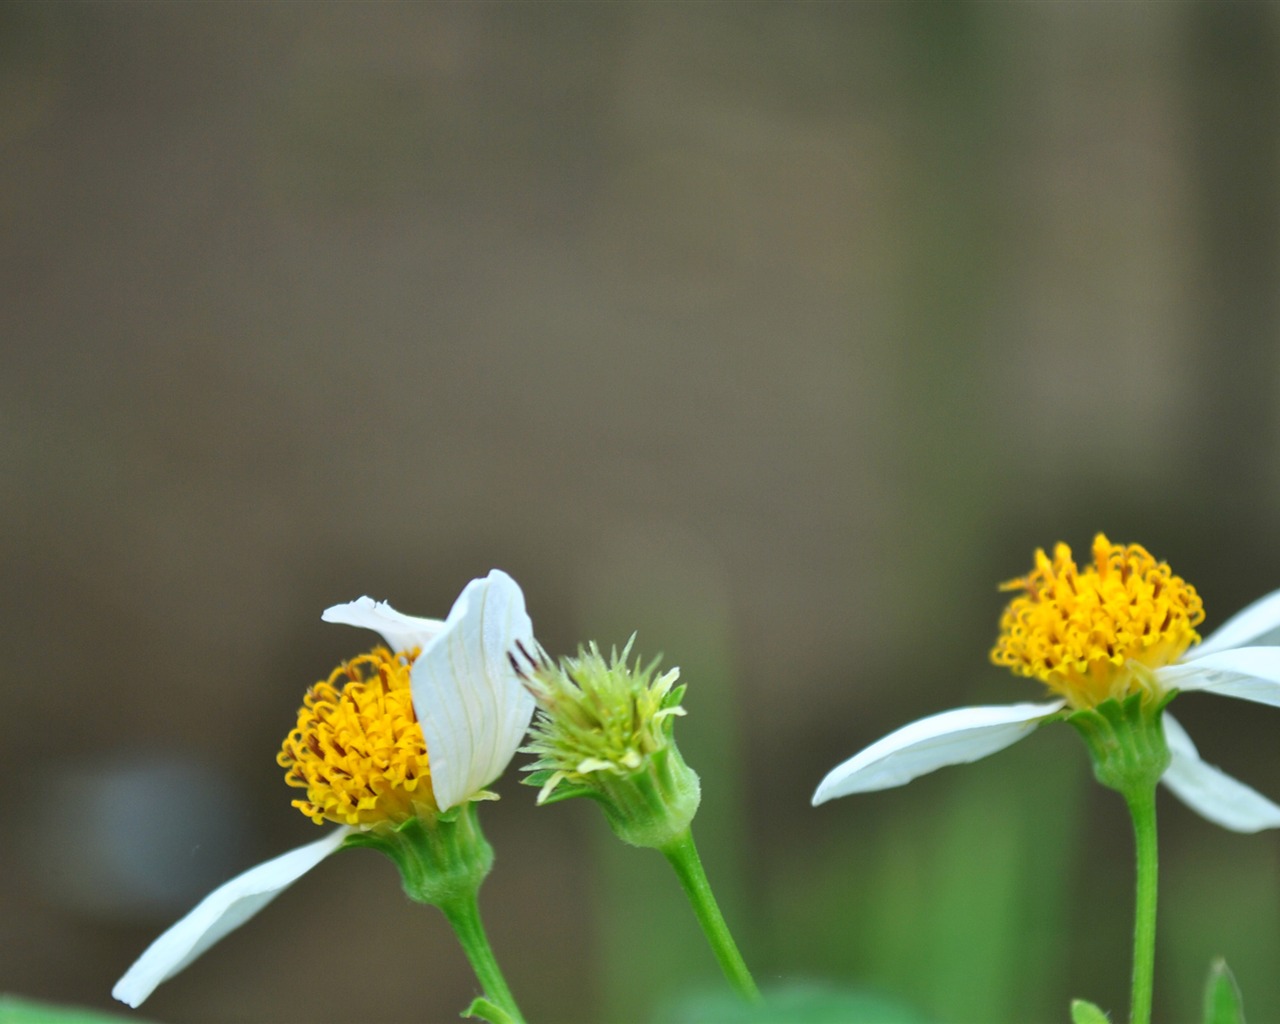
(672,698)
(1085,1012)
(1223,1003)
(564,791)
(439,859)
(654,804)
(482,1009)
(1126,741)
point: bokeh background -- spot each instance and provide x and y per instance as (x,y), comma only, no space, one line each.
(779,333)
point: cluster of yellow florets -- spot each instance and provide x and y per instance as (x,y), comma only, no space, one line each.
(358,749)
(1090,633)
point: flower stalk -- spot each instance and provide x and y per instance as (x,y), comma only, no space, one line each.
(682,854)
(442,863)
(1130,754)
(463,913)
(1142,808)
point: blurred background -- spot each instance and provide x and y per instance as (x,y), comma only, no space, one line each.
(780,333)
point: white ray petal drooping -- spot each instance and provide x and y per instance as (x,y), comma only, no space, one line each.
(952,737)
(222,911)
(1211,792)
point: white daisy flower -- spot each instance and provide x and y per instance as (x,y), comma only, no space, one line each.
(408,730)
(1124,625)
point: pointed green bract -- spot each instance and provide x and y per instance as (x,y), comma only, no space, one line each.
(438,860)
(1126,741)
(1223,1003)
(483,1009)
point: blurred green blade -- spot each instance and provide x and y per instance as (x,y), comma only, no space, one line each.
(25,1011)
(1223,1003)
(800,1003)
(1085,1012)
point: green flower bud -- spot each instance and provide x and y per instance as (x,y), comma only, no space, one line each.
(604,730)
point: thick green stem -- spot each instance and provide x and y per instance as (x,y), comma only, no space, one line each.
(1142,808)
(683,856)
(464,914)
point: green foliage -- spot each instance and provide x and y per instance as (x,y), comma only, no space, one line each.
(796,1004)
(1085,1012)
(920,876)
(1222,1000)
(24,1011)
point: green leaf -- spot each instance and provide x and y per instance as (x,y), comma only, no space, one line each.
(24,1011)
(1085,1012)
(795,1004)
(1223,1003)
(482,1009)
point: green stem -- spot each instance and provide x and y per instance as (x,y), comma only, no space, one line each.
(1142,808)
(683,856)
(463,913)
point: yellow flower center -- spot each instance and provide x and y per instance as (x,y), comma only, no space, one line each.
(358,749)
(1097,633)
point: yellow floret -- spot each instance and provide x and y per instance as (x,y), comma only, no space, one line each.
(358,749)
(1095,633)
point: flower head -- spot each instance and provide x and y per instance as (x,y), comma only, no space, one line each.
(604,730)
(470,705)
(1089,633)
(1120,627)
(596,715)
(393,738)
(358,750)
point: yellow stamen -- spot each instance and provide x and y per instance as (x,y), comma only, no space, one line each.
(358,749)
(1096,633)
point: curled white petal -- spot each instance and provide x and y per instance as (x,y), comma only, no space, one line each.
(1249,673)
(222,911)
(952,737)
(470,703)
(1250,625)
(1211,792)
(400,631)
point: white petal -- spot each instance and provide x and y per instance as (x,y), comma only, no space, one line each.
(222,911)
(470,703)
(1249,673)
(399,630)
(1247,626)
(952,737)
(1211,792)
